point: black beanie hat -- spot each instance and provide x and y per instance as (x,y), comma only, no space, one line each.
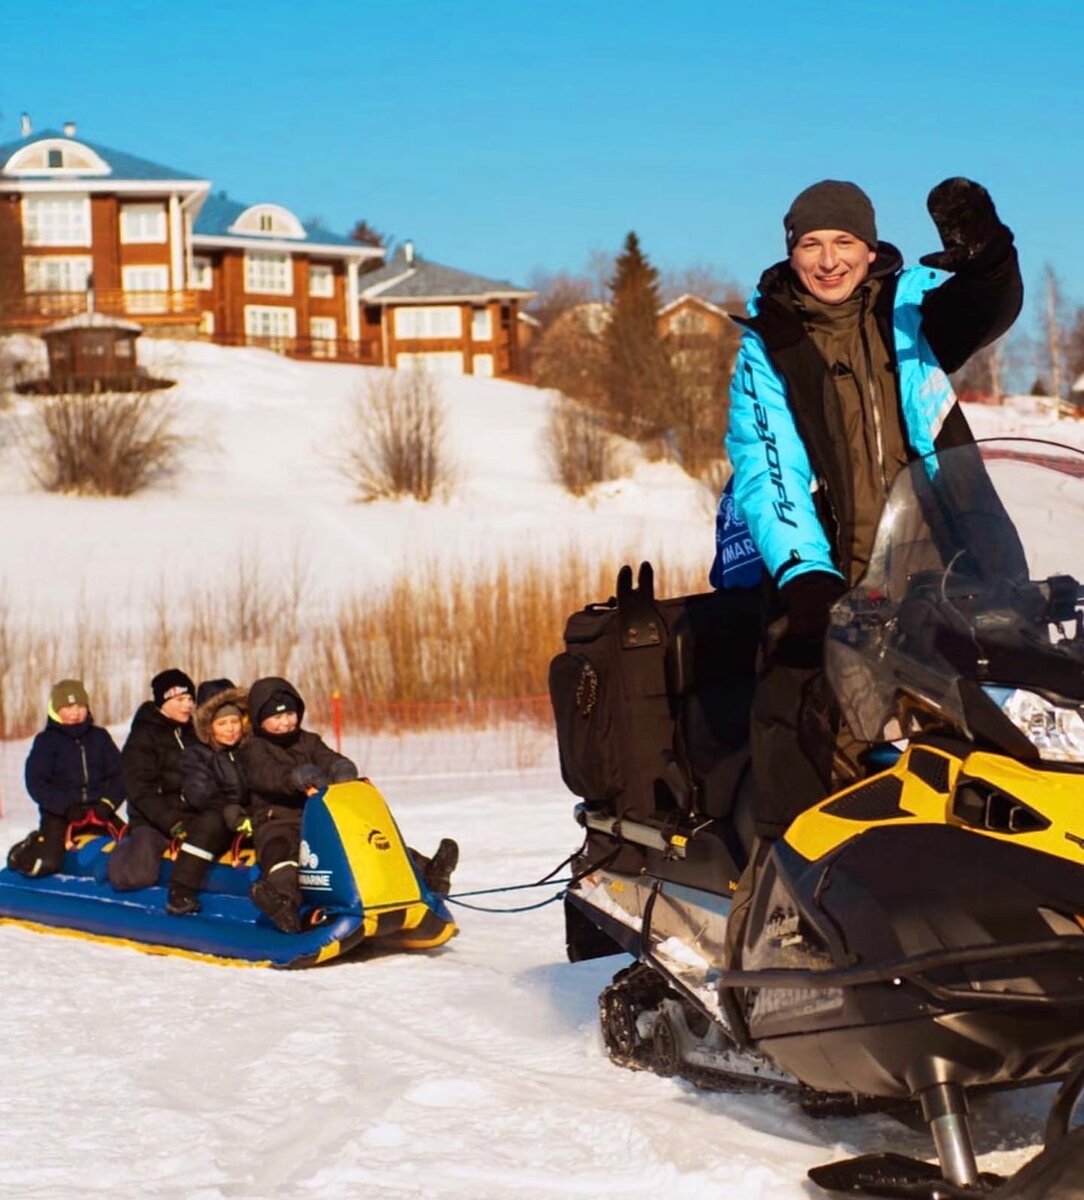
(831,204)
(211,687)
(167,684)
(280,702)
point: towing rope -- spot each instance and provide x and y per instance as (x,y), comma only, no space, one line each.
(546,879)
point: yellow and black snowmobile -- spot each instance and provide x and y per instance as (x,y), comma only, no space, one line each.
(917,937)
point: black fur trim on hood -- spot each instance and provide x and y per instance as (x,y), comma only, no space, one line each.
(205,714)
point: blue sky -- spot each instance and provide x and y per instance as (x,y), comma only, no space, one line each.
(507,136)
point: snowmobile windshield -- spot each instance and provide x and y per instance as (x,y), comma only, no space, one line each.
(969,610)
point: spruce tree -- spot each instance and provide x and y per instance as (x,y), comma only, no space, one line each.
(639,382)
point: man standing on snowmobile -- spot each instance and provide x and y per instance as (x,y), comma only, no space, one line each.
(840,381)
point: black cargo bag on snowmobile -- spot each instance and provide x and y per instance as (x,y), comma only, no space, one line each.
(651,698)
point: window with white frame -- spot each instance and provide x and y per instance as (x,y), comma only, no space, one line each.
(437,363)
(321,279)
(269,273)
(143,223)
(56,273)
(482,364)
(56,220)
(267,321)
(429,321)
(481,326)
(202,278)
(146,288)
(323,332)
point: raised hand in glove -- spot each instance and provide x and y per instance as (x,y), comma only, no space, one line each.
(307,777)
(236,818)
(808,599)
(967,222)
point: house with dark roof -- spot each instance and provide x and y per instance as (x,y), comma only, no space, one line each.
(87,228)
(427,315)
(75,213)
(263,277)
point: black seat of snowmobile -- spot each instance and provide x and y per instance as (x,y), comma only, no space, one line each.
(710,667)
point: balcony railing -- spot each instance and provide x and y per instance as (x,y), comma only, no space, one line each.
(332,349)
(38,308)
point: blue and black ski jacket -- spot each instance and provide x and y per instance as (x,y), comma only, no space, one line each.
(789,484)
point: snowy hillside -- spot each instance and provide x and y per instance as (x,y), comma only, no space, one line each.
(259,479)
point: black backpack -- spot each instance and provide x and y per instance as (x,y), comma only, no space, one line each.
(651,699)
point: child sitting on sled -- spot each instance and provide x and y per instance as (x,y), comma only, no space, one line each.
(214,789)
(284,764)
(73,774)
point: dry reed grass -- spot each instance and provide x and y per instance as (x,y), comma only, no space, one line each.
(471,639)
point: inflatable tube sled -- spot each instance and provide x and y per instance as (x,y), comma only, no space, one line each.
(358,885)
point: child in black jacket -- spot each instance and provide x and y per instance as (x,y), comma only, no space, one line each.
(213,787)
(284,764)
(73,774)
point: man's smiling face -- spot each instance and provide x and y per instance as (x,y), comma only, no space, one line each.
(831,263)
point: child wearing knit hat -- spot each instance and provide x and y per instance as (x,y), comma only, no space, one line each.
(73,774)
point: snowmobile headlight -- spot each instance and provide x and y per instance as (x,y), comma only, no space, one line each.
(1055,730)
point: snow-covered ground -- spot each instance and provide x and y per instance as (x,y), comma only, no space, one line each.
(473,1071)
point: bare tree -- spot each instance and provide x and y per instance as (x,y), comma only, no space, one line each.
(570,356)
(578,447)
(1055,323)
(395,443)
(556,293)
(703,280)
(99,443)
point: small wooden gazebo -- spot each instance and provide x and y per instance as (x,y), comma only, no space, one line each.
(93,352)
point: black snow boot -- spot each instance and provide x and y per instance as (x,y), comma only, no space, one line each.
(277,905)
(438,873)
(181,901)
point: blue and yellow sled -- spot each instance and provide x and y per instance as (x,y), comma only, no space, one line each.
(357,878)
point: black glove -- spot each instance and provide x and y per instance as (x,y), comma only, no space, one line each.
(307,775)
(967,222)
(807,599)
(343,771)
(236,818)
(105,811)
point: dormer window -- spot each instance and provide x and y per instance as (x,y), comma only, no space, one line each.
(53,156)
(268,220)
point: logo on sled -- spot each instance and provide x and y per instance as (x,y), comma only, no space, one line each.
(308,876)
(378,840)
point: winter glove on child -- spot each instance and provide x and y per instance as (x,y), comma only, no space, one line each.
(105,810)
(808,600)
(967,222)
(236,818)
(343,772)
(306,777)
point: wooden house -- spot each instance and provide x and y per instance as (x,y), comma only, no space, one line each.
(420,313)
(264,278)
(72,212)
